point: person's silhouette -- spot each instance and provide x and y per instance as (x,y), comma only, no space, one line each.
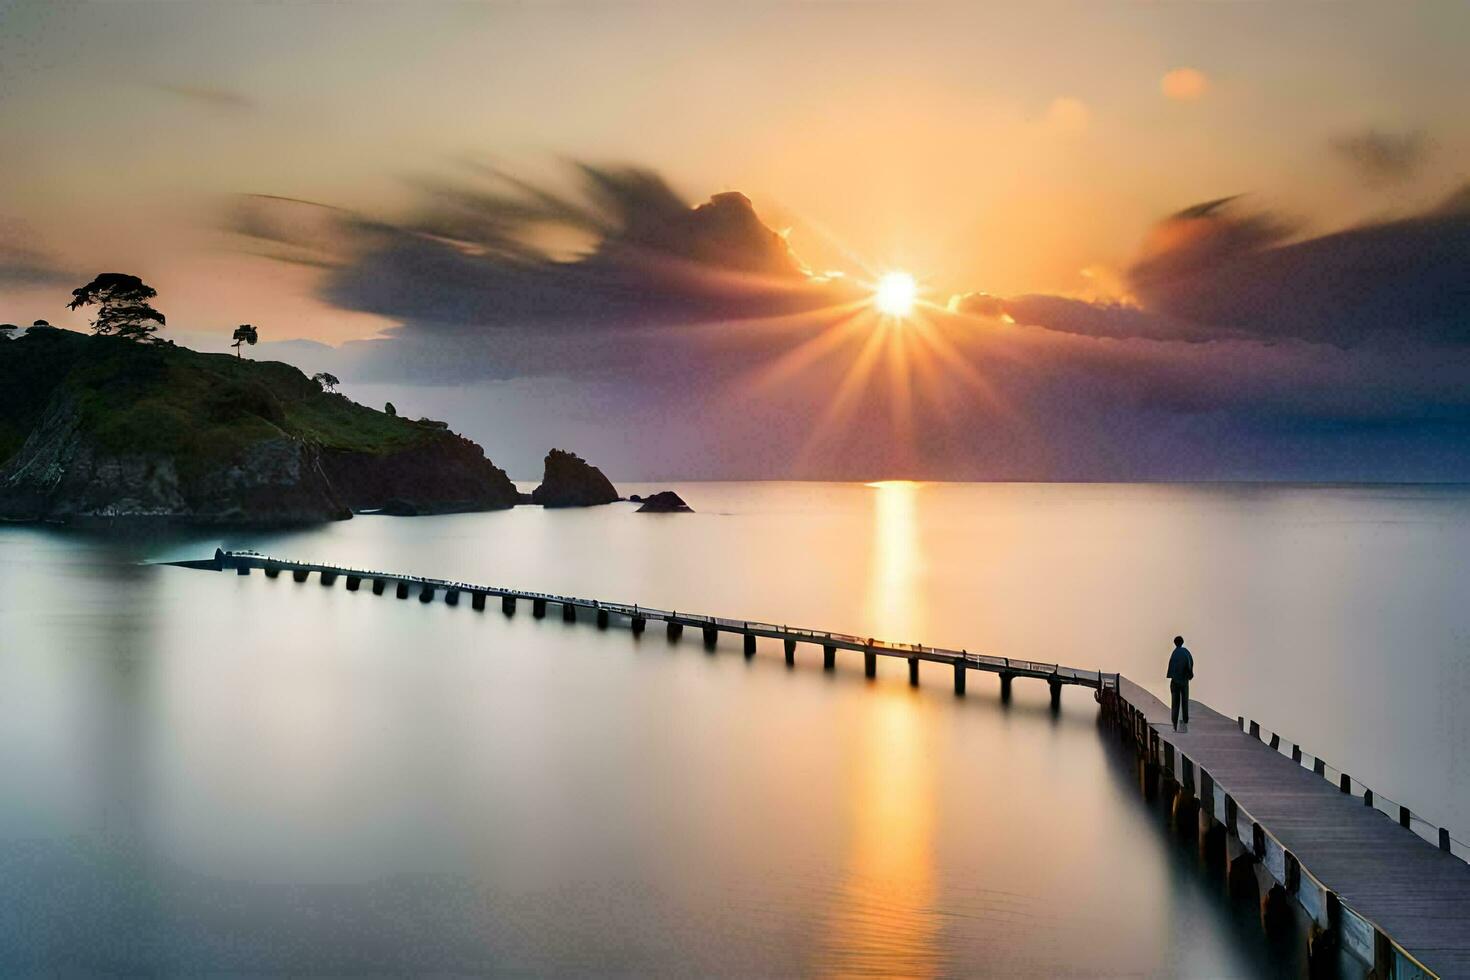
(1181,672)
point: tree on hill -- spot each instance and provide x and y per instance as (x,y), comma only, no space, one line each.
(244,334)
(390,410)
(328,382)
(122,306)
(6,329)
(41,325)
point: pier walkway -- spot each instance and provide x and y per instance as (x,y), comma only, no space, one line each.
(1360,867)
(1395,900)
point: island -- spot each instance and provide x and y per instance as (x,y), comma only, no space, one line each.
(104,427)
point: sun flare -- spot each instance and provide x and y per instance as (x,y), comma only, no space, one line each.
(895,294)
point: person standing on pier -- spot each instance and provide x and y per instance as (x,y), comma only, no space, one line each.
(1181,672)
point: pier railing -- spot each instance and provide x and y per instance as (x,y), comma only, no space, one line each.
(1427,830)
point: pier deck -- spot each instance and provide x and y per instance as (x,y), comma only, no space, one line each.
(1349,853)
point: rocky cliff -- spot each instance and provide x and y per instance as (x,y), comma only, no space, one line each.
(570,481)
(106,428)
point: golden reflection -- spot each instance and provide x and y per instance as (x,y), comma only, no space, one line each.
(883,918)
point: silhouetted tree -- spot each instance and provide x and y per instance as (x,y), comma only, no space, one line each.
(244,334)
(122,306)
(328,382)
(390,409)
(6,329)
(41,325)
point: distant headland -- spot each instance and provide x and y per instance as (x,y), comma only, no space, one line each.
(118,425)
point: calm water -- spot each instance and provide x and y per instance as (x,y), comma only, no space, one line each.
(209,772)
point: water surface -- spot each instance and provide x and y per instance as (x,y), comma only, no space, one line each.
(214,772)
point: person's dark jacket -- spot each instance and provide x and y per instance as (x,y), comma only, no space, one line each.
(1181,665)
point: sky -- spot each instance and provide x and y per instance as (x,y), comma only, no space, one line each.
(1153,241)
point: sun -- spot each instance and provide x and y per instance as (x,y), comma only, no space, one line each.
(895,294)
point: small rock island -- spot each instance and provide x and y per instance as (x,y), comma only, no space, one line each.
(570,481)
(664,502)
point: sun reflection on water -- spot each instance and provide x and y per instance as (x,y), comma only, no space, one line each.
(883,919)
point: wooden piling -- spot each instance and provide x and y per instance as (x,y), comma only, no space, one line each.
(1056,691)
(913,672)
(568,613)
(639,624)
(790,645)
(675,630)
(329,578)
(711,637)
(353,583)
(402,590)
(602,619)
(451,597)
(870,664)
(242,569)
(426,594)
(829,657)
(272,571)
(379,585)
(749,645)
(538,608)
(1005,685)
(299,574)
(477,601)
(959,677)
(508,605)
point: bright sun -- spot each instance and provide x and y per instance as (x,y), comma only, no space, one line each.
(895,294)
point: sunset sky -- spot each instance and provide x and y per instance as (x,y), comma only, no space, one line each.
(1031,152)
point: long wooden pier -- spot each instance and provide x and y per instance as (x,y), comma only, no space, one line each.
(1370,884)
(1366,877)
(637,618)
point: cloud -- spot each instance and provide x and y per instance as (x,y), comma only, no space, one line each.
(1381,157)
(216,99)
(22,263)
(694,341)
(1184,84)
(1067,114)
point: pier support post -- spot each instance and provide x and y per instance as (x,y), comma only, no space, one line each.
(403,590)
(749,645)
(568,613)
(379,585)
(477,601)
(272,571)
(329,578)
(299,574)
(451,597)
(913,672)
(829,658)
(1056,692)
(959,677)
(508,605)
(711,637)
(602,619)
(538,608)
(242,569)
(790,653)
(675,630)
(1005,687)
(426,594)
(354,583)
(639,624)
(870,664)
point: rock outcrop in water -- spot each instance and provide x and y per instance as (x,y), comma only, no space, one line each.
(570,481)
(664,502)
(98,427)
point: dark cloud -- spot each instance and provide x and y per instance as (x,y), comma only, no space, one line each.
(471,259)
(694,340)
(22,264)
(1382,157)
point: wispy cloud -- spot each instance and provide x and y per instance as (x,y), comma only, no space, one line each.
(220,100)
(1382,157)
